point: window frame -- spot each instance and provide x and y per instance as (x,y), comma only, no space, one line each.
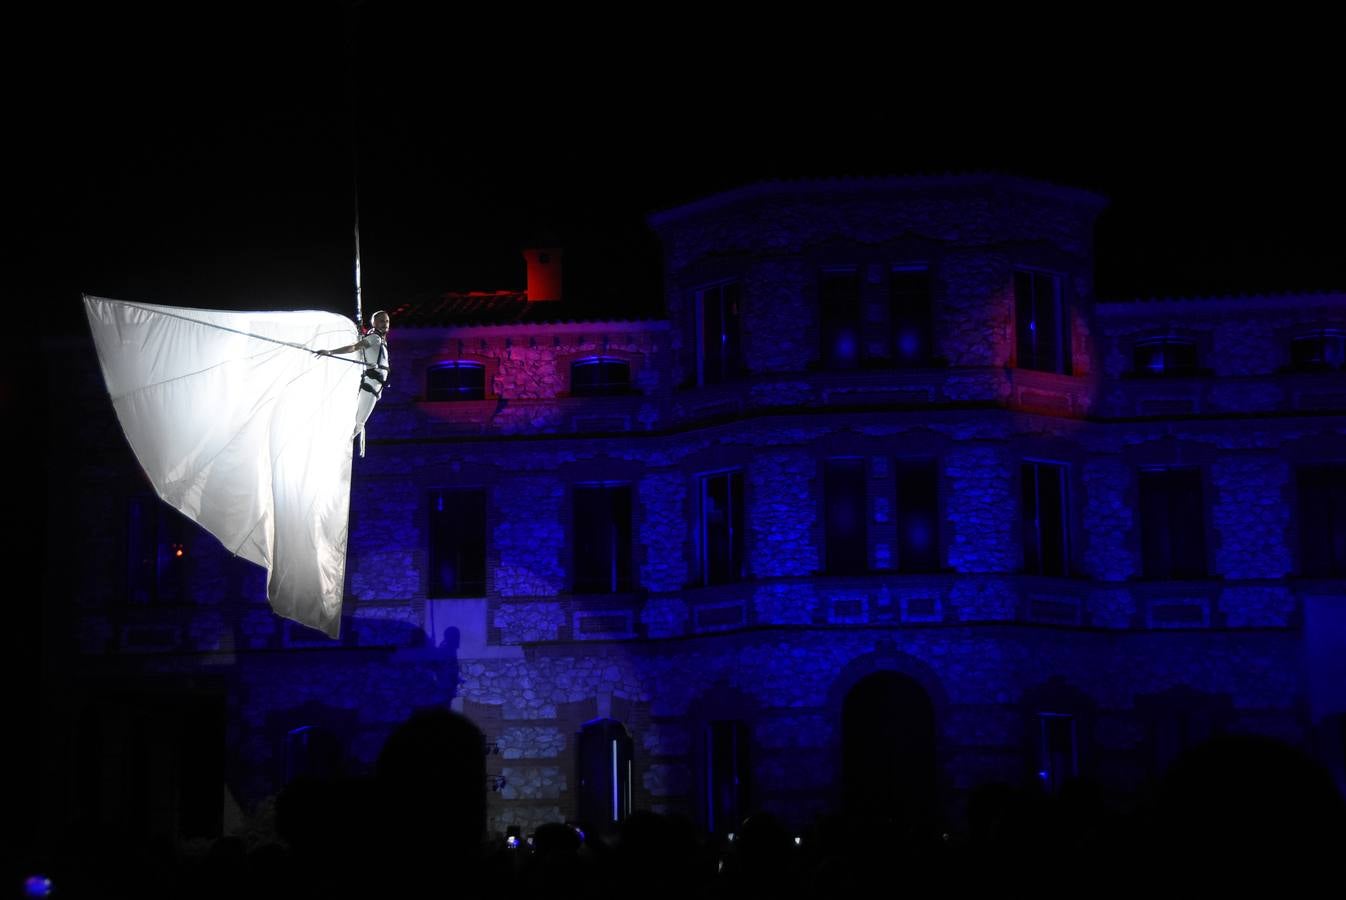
(925,323)
(1171,572)
(831,543)
(1063,469)
(621,563)
(1061,363)
(462,587)
(730,361)
(1328,556)
(601,388)
(831,326)
(455,365)
(900,513)
(1052,781)
(1163,342)
(1325,363)
(736,553)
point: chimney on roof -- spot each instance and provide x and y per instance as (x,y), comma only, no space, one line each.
(544,274)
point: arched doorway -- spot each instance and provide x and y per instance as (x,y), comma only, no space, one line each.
(888,750)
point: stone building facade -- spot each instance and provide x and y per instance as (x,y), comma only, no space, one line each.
(887,506)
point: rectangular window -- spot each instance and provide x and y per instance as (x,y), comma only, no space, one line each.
(912,316)
(844,516)
(1165,356)
(1322,520)
(1321,351)
(157,552)
(455,380)
(602,538)
(1172,524)
(457,543)
(600,376)
(1041,326)
(1042,496)
(721,527)
(718,343)
(839,313)
(1058,756)
(726,775)
(604,763)
(917,515)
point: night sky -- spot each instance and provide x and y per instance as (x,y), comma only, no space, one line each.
(208,160)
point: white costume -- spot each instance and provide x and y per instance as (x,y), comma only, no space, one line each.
(373,349)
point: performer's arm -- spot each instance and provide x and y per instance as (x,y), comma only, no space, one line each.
(363,342)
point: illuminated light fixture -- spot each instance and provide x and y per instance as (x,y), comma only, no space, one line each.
(37,886)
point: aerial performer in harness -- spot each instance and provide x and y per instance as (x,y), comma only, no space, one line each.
(245,427)
(373,349)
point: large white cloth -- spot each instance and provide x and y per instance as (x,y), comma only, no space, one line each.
(245,431)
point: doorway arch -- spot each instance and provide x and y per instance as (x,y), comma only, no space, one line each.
(888,756)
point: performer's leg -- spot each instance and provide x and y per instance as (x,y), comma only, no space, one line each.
(367,401)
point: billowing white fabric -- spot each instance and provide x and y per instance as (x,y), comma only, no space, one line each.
(249,438)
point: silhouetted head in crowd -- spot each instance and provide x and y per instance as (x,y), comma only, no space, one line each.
(432,776)
(1241,798)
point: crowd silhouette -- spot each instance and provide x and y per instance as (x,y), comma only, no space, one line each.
(1231,808)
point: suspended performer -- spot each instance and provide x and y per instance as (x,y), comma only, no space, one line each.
(373,349)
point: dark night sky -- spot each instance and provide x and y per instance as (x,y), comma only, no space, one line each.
(207,161)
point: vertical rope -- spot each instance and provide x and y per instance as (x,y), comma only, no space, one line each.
(355,152)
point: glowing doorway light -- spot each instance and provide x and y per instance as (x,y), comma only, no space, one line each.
(616,786)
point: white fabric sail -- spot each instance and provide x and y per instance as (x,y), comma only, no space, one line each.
(246,432)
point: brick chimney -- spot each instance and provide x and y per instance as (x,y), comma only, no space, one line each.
(544,274)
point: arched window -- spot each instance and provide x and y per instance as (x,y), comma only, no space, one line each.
(599,376)
(1165,356)
(1319,351)
(455,381)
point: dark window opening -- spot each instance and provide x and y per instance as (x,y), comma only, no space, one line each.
(1165,356)
(912,317)
(158,552)
(1172,524)
(1058,754)
(844,516)
(722,527)
(458,543)
(917,515)
(312,751)
(726,769)
(1042,329)
(604,761)
(1322,520)
(839,310)
(1042,493)
(1322,351)
(719,345)
(600,377)
(455,381)
(602,539)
